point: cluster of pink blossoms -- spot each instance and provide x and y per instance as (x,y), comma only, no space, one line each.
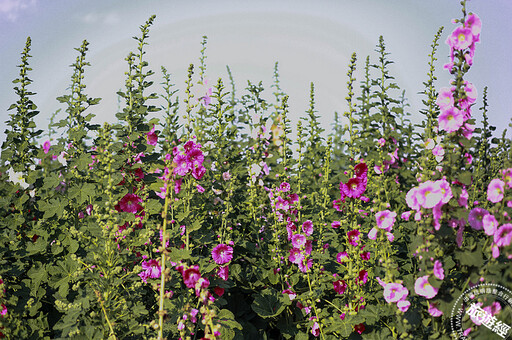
(355,187)
(395,293)
(190,160)
(455,114)
(385,221)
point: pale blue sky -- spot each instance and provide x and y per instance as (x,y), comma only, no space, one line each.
(311,40)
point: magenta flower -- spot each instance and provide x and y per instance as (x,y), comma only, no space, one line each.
(291,295)
(412,199)
(46,146)
(355,187)
(385,219)
(394,292)
(151,136)
(361,170)
(222,253)
(191,276)
(495,190)
(307,227)
(335,224)
(490,224)
(315,330)
(362,278)
(438,270)
(503,235)
(340,286)
(353,237)
(341,256)
(429,194)
(451,119)
(284,187)
(182,165)
(304,266)
(150,269)
(474,23)
(390,236)
(432,310)
(424,288)
(460,39)
(223,272)
(475,218)
(298,240)
(130,203)
(403,305)
(365,256)
(282,204)
(195,157)
(296,256)
(446,190)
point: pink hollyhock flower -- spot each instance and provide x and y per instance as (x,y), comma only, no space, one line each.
(130,203)
(190,276)
(445,98)
(293,198)
(150,269)
(304,266)
(291,295)
(151,136)
(223,272)
(424,288)
(438,152)
(390,236)
(437,213)
(463,198)
(200,189)
(460,39)
(3,312)
(429,194)
(195,157)
(360,328)
(385,219)
(467,129)
(406,215)
(341,256)
(432,310)
(438,270)
(362,278)
(446,190)
(372,234)
(183,166)
(355,187)
(493,308)
(290,228)
(307,227)
(394,292)
(507,177)
(353,237)
(471,94)
(361,170)
(340,286)
(296,256)
(198,172)
(474,23)
(335,224)
(46,146)
(475,218)
(222,253)
(284,187)
(403,305)
(298,240)
(490,224)
(451,119)
(412,199)
(460,236)
(381,142)
(315,330)
(365,256)
(308,247)
(495,190)
(503,235)
(282,204)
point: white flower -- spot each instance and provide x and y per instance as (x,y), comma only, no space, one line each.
(17,178)
(61,159)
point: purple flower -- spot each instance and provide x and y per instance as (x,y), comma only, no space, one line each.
(503,235)
(475,218)
(353,237)
(438,270)
(307,227)
(222,253)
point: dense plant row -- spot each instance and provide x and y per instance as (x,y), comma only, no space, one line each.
(200,217)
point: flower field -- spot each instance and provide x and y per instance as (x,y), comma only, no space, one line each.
(201,213)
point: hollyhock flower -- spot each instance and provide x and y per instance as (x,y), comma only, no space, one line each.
(292,295)
(359,328)
(460,39)
(475,218)
(151,136)
(282,204)
(341,256)
(503,235)
(438,270)
(315,330)
(460,236)
(438,152)
(298,240)
(507,177)
(385,219)
(195,157)
(412,199)
(361,170)
(296,256)
(490,224)
(467,129)
(432,310)
(394,292)
(493,309)
(17,178)
(495,190)
(340,286)
(446,190)
(445,98)
(355,187)
(429,194)
(308,247)
(304,266)
(183,166)
(406,215)
(290,228)
(150,269)
(46,146)
(424,288)
(451,119)
(284,187)
(130,203)
(372,234)
(223,272)
(365,256)
(474,23)
(222,253)
(198,172)
(463,198)
(403,305)
(362,277)
(191,276)
(335,224)
(3,312)
(353,237)
(390,236)
(307,227)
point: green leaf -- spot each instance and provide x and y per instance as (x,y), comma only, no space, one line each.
(268,304)
(153,206)
(177,255)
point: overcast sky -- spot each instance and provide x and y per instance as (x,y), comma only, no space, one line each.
(311,40)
